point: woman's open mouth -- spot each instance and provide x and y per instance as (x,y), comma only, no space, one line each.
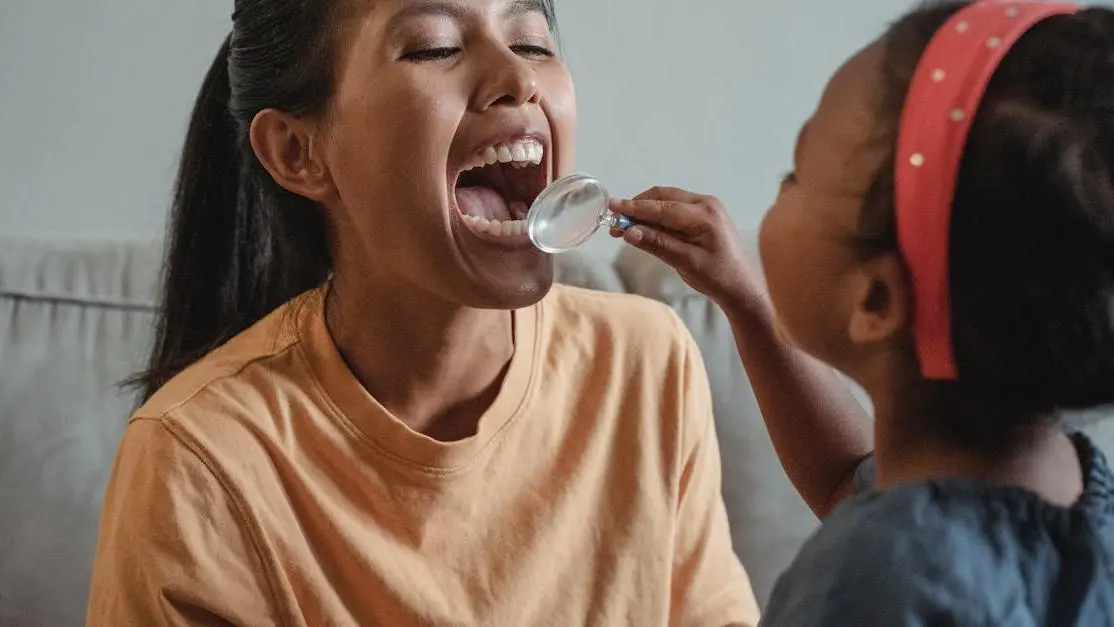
(496,192)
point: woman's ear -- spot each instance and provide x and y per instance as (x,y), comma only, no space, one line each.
(882,301)
(286,147)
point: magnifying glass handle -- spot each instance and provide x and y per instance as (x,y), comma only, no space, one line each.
(620,222)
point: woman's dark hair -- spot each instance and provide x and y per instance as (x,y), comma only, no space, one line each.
(1032,234)
(239,245)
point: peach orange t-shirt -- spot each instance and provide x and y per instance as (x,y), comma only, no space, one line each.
(264,486)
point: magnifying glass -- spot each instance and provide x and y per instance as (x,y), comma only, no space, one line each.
(569,212)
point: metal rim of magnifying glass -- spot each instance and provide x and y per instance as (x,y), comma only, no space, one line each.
(550,190)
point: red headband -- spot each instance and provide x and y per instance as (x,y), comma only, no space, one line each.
(943,98)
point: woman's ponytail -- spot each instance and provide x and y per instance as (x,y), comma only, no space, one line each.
(238,245)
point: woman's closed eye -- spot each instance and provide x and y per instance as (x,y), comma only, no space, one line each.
(442,53)
(533,50)
(431,54)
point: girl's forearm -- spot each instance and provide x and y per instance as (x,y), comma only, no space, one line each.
(819,429)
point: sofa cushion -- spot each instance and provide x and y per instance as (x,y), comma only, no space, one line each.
(75,319)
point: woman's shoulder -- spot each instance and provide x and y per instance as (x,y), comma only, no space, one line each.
(593,301)
(245,369)
(628,320)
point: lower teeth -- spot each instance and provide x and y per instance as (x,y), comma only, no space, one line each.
(497,227)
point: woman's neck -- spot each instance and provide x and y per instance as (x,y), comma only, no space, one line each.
(1043,460)
(435,365)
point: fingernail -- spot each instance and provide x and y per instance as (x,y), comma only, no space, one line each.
(633,235)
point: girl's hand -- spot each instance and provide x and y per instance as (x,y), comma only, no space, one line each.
(693,234)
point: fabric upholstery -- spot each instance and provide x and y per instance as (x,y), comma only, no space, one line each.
(74,321)
(76,317)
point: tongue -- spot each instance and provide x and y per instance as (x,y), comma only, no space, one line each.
(482,202)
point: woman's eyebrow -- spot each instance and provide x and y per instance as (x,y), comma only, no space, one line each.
(456,11)
(421,8)
(518,8)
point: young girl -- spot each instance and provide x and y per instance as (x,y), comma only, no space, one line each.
(946,238)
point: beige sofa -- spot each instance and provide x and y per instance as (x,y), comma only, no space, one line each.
(76,318)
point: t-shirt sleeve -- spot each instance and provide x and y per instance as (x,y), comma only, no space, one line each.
(710,587)
(173,549)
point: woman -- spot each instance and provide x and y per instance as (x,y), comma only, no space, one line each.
(367,403)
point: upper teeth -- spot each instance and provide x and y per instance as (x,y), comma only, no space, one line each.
(520,153)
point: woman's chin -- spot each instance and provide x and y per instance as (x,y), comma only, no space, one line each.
(527,295)
(510,290)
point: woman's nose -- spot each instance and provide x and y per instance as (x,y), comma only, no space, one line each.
(509,81)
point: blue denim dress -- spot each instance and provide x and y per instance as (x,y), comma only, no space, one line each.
(957,552)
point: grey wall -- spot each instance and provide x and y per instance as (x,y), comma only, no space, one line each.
(708,94)
(94,97)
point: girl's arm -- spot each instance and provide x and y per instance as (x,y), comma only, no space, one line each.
(820,431)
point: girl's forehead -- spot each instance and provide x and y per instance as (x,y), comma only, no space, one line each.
(847,106)
(838,144)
